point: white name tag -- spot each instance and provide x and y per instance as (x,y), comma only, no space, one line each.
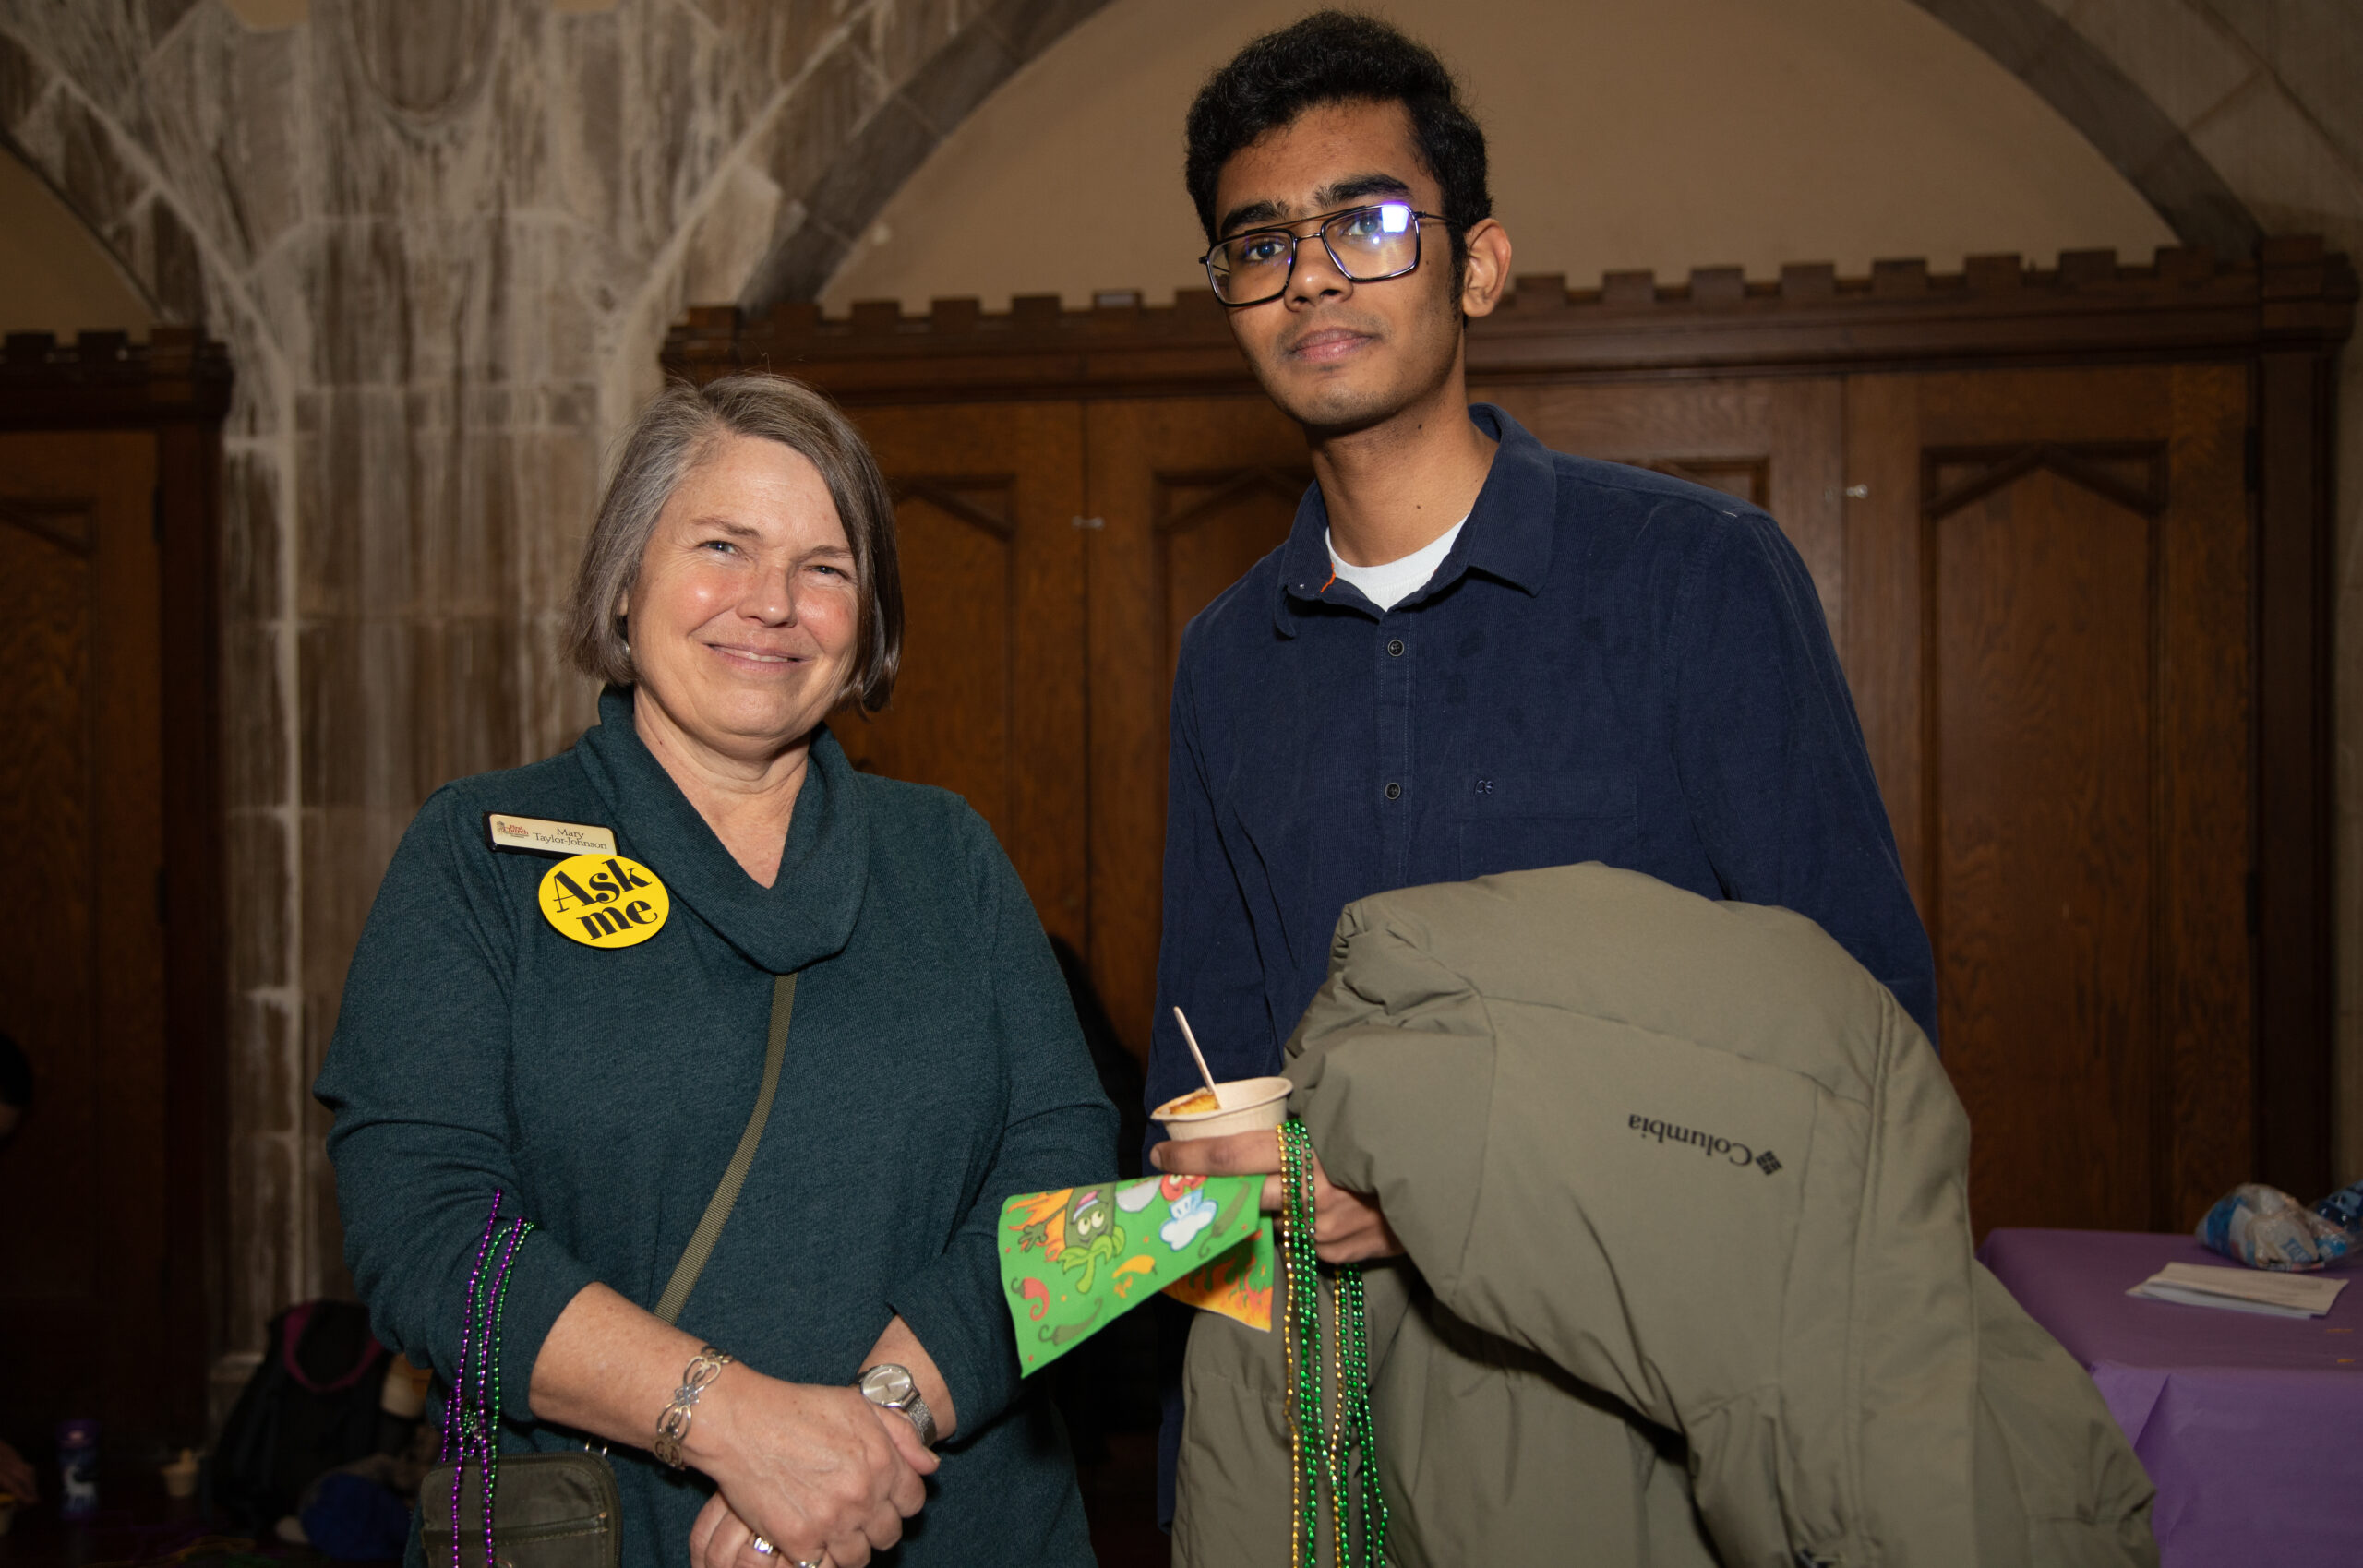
(540,837)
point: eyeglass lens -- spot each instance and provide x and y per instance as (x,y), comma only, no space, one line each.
(1368,244)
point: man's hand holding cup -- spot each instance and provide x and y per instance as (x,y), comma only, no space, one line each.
(1239,1135)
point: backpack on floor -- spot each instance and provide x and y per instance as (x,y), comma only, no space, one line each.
(310,1406)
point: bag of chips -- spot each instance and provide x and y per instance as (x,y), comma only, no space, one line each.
(2266,1228)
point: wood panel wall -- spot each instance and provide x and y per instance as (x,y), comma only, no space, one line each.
(111,976)
(2068,527)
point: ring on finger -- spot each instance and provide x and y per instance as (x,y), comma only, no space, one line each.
(761,1546)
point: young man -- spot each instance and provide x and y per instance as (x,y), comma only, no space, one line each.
(1473,654)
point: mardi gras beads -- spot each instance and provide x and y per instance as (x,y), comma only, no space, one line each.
(454,1422)
(1354,1396)
(492,1404)
(1320,1462)
(459,1411)
(1302,1344)
(472,1413)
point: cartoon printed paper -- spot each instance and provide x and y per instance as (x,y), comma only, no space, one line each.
(1237,1283)
(1076,1260)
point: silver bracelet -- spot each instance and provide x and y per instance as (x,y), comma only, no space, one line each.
(673,1425)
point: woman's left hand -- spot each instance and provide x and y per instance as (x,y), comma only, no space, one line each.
(720,1539)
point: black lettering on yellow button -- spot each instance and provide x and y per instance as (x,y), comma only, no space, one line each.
(605,900)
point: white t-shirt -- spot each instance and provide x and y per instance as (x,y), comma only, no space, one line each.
(1389,584)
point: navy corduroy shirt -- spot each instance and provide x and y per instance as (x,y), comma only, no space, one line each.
(1610,665)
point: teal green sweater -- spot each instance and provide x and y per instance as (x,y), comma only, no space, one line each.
(933,1069)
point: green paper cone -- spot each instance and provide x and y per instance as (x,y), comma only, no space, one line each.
(1074,1261)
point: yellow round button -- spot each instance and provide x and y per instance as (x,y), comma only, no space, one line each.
(605,900)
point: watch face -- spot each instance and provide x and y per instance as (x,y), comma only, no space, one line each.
(886,1384)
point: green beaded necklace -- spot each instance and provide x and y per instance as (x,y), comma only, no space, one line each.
(1321,1464)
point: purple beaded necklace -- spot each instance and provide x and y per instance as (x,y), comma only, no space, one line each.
(471,1414)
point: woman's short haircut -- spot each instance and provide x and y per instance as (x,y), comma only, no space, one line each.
(1338,57)
(672,437)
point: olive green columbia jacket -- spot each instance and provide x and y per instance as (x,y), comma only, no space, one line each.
(1689,1275)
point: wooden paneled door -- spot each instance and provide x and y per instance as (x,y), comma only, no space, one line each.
(1187,493)
(2049,591)
(83,1184)
(110,942)
(1051,554)
(989,702)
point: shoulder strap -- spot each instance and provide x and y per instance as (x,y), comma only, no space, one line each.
(717,1208)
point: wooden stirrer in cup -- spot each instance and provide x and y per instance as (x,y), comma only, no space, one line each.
(1199,1057)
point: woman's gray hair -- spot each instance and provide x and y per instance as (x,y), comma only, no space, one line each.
(673,436)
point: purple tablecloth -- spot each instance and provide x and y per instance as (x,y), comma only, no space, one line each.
(2252,1427)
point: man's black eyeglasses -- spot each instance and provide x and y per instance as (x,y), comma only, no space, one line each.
(1367,245)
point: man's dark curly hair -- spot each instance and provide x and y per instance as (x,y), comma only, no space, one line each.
(1334,58)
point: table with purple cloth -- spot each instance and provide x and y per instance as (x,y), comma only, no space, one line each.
(2252,1427)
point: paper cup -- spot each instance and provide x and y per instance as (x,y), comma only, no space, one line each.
(1250,1105)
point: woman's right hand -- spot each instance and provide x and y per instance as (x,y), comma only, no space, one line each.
(816,1471)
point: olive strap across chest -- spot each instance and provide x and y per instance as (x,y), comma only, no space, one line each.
(718,1207)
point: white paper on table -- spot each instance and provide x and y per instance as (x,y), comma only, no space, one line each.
(2242,1290)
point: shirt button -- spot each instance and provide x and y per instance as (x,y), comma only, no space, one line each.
(1394,792)
(1394,647)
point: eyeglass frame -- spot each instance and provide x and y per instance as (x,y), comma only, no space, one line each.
(1419,249)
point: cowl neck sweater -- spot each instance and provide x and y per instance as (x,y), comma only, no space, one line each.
(809,911)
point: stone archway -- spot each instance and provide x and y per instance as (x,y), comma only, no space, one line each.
(897,138)
(2038,46)
(2027,38)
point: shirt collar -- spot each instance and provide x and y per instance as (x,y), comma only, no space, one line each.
(1508,534)
(809,911)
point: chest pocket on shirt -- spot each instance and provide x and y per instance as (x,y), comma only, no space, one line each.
(1556,818)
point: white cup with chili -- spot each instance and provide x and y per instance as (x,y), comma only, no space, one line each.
(1241,1105)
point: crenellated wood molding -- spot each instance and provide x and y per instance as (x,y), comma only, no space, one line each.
(2184,304)
(103,378)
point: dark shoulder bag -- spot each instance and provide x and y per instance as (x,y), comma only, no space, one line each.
(560,1510)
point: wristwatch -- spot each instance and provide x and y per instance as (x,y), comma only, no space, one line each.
(891,1387)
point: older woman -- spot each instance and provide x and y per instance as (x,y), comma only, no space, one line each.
(599,1068)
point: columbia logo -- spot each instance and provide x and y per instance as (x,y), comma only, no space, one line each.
(1766,1163)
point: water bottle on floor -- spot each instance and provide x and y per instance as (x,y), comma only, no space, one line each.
(77,1464)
